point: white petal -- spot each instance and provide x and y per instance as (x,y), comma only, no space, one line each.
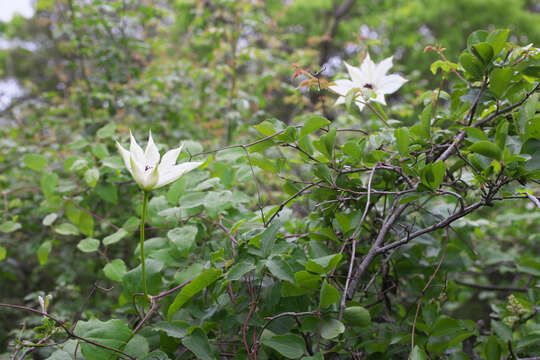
(125,156)
(151,153)
(384,66)
(136,151)
(175,172)
(367,70)
(146,180)
(169,159)
(360,105)
(358,76)
(379,97)
(340,100)
(390,84)
(342,86)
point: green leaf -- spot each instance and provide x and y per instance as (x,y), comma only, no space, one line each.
(100,151)
(501,133)
(323,264)
(91,176)
(497,39)
(132,280)
(237,271)
(402,139)
(44,251)
(483,51)
(188,273)
(486,148)
(501,330)
(3,253)
(192,200)
(81,219)
(476,37)
(331,328)
(197,343)
(66,229)
(107,131)
(268,238)
(290,345)
(10,226)
(322,171)
(529,266)
(317,356)
(418,354)
(357,316)
(432,174)
(113,333)
(445,326)
(329,295)
(533,71)
(266,128)
(137,347)
(88,245)
(198,284)
(48,183)
(115,270)
(500,78)
(183,238)
(35,162)
(280,269)
(107,192)
(176,328)
(472,65)
(313,123)
(114,238)
(49,219)
(475,134)
(307,280)
(492,349)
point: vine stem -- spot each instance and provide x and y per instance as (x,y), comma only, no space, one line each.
(143,219)
(419,304)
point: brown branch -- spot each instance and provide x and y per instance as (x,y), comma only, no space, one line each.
(426,287)
(353,251)
(461,135)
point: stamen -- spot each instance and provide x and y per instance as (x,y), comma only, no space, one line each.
(147,167)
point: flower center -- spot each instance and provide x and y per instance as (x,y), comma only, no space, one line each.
(368,86)
(147,167)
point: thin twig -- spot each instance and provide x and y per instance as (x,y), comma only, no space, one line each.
(66,328)
(353,251)
(426,287)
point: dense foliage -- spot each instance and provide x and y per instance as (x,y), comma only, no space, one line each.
(305,230)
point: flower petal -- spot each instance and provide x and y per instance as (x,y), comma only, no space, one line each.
(146,180)
(383,67)
(379,97)
(360,105)
(175,172)
(136,151)
(367,70)
(169,159)
(358,76)
(125,156)
(391,83)
(151,153)
(342,86)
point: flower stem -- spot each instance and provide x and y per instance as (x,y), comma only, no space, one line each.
(143,218)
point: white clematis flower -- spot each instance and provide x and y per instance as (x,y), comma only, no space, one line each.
(370,79)
(146,168)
